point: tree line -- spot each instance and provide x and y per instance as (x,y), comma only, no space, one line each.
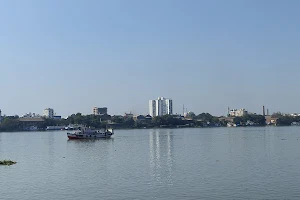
(12,123)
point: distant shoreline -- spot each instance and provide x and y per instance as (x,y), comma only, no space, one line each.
(169,127)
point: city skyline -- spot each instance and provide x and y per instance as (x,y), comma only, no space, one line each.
(208,55)
(163,106)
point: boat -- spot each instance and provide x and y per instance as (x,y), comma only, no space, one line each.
(88,133)
(32,128)
(229,124)
(295,124)
(54,128)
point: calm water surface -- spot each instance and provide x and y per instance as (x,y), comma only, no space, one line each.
(217,163)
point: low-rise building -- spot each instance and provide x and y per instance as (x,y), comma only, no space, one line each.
(226,119)
(27,122)
(271,120)
(237,113)
(139,118)
(100,111)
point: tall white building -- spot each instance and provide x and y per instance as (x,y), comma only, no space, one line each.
(161,106)
(48,112)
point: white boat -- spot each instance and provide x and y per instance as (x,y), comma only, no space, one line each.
(87,133)
(230,124)
(33,128)
(53,128)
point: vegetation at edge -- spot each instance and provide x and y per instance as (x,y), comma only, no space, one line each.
(7,162)
(11,123)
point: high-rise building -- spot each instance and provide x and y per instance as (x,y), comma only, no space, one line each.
(161,106)
(100,111)
(48,113)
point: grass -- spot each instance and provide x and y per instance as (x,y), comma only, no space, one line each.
(7,162)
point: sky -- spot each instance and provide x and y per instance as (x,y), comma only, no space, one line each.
(72,55)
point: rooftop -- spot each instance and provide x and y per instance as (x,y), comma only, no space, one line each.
(31,119)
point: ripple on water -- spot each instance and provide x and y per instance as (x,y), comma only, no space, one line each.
(218,163)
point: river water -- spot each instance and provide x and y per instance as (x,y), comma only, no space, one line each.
(191,163)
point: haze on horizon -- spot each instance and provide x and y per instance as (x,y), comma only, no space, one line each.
(73,55)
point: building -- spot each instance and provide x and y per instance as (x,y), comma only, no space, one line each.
(139,118)
(27,123)
(147,118)
(237,113)
(48,113)
(271,120)
(57,117)
(100,111)
(161,106)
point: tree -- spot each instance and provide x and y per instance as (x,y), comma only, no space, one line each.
(129,122)
(277,114)
(205,117)
(190,115)
(10,124)
(117,119)
(285,120)
(238,120)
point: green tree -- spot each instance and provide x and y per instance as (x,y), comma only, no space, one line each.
(238,120)
(117,119)
(129,122)
(10,124)
(285,120)
(190,115)
(205,117)
(277,114)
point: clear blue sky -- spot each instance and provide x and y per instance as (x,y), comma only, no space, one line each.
(72,55)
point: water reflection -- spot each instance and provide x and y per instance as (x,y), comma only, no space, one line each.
(161,155)
(89,145)
(0,142)
(51,149)
(90,140)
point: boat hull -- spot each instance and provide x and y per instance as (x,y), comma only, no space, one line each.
(79,137)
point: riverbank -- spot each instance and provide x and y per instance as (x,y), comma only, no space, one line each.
(157,127)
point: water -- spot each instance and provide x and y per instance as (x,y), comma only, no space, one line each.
(217,163)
